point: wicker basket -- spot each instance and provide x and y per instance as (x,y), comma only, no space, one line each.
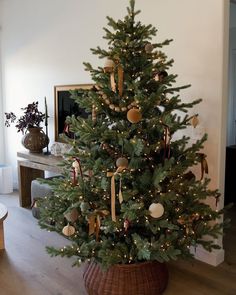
(146,278)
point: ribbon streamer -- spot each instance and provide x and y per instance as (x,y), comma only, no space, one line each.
(112,81)
(120,79)
(80,168)
(76,167)
(94,221)
(204,165)
(113,191)
(167,139)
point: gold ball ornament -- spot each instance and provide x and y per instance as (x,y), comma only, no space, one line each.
(156,210)
(148,48)
(134,115)
(68,230)
(122,162)
(72,216)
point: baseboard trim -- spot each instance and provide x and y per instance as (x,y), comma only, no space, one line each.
(213,258)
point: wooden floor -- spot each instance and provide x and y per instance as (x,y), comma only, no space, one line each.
(26,268)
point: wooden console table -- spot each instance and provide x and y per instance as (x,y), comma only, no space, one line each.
(3,215)
(32,166)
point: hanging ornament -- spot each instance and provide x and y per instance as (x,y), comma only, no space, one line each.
(156,77)
(76,166)
(204,165)
(68,230)
(195,121)
(217,198)
(94,117)
(120,79)
(134,115)
(117,108)
(72,216)
(126,224)
(156,210)
(148,48)
(122,162)
(94,221)
(167,139)
(109,68)
(113,191)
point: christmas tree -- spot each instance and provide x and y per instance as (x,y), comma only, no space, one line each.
(128,193)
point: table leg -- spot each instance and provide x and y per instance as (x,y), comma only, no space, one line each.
(2,246)
(25,176)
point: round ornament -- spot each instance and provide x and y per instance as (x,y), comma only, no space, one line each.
(75,165)
(148,48)
(126,224)
(72,216)
(109,66)
(134,115)
(122,162)
(156,210)
(195,121)
(68,230)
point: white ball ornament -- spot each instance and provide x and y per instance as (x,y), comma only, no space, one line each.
(68,230)
(75,165)
(109,66)
(156,210)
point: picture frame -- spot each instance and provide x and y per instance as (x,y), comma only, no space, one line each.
(65,106)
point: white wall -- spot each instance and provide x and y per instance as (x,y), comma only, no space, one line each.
(2,145)
(45,42)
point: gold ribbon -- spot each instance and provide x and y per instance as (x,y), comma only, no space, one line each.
(95,221)
(113,191)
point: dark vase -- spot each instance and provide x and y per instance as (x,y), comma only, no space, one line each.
(146,278)
(35,140)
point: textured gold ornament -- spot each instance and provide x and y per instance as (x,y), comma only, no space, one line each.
(68,230)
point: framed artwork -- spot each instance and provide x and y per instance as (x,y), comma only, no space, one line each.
(65,106)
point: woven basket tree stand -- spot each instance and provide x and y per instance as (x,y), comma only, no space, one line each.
(146,278)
